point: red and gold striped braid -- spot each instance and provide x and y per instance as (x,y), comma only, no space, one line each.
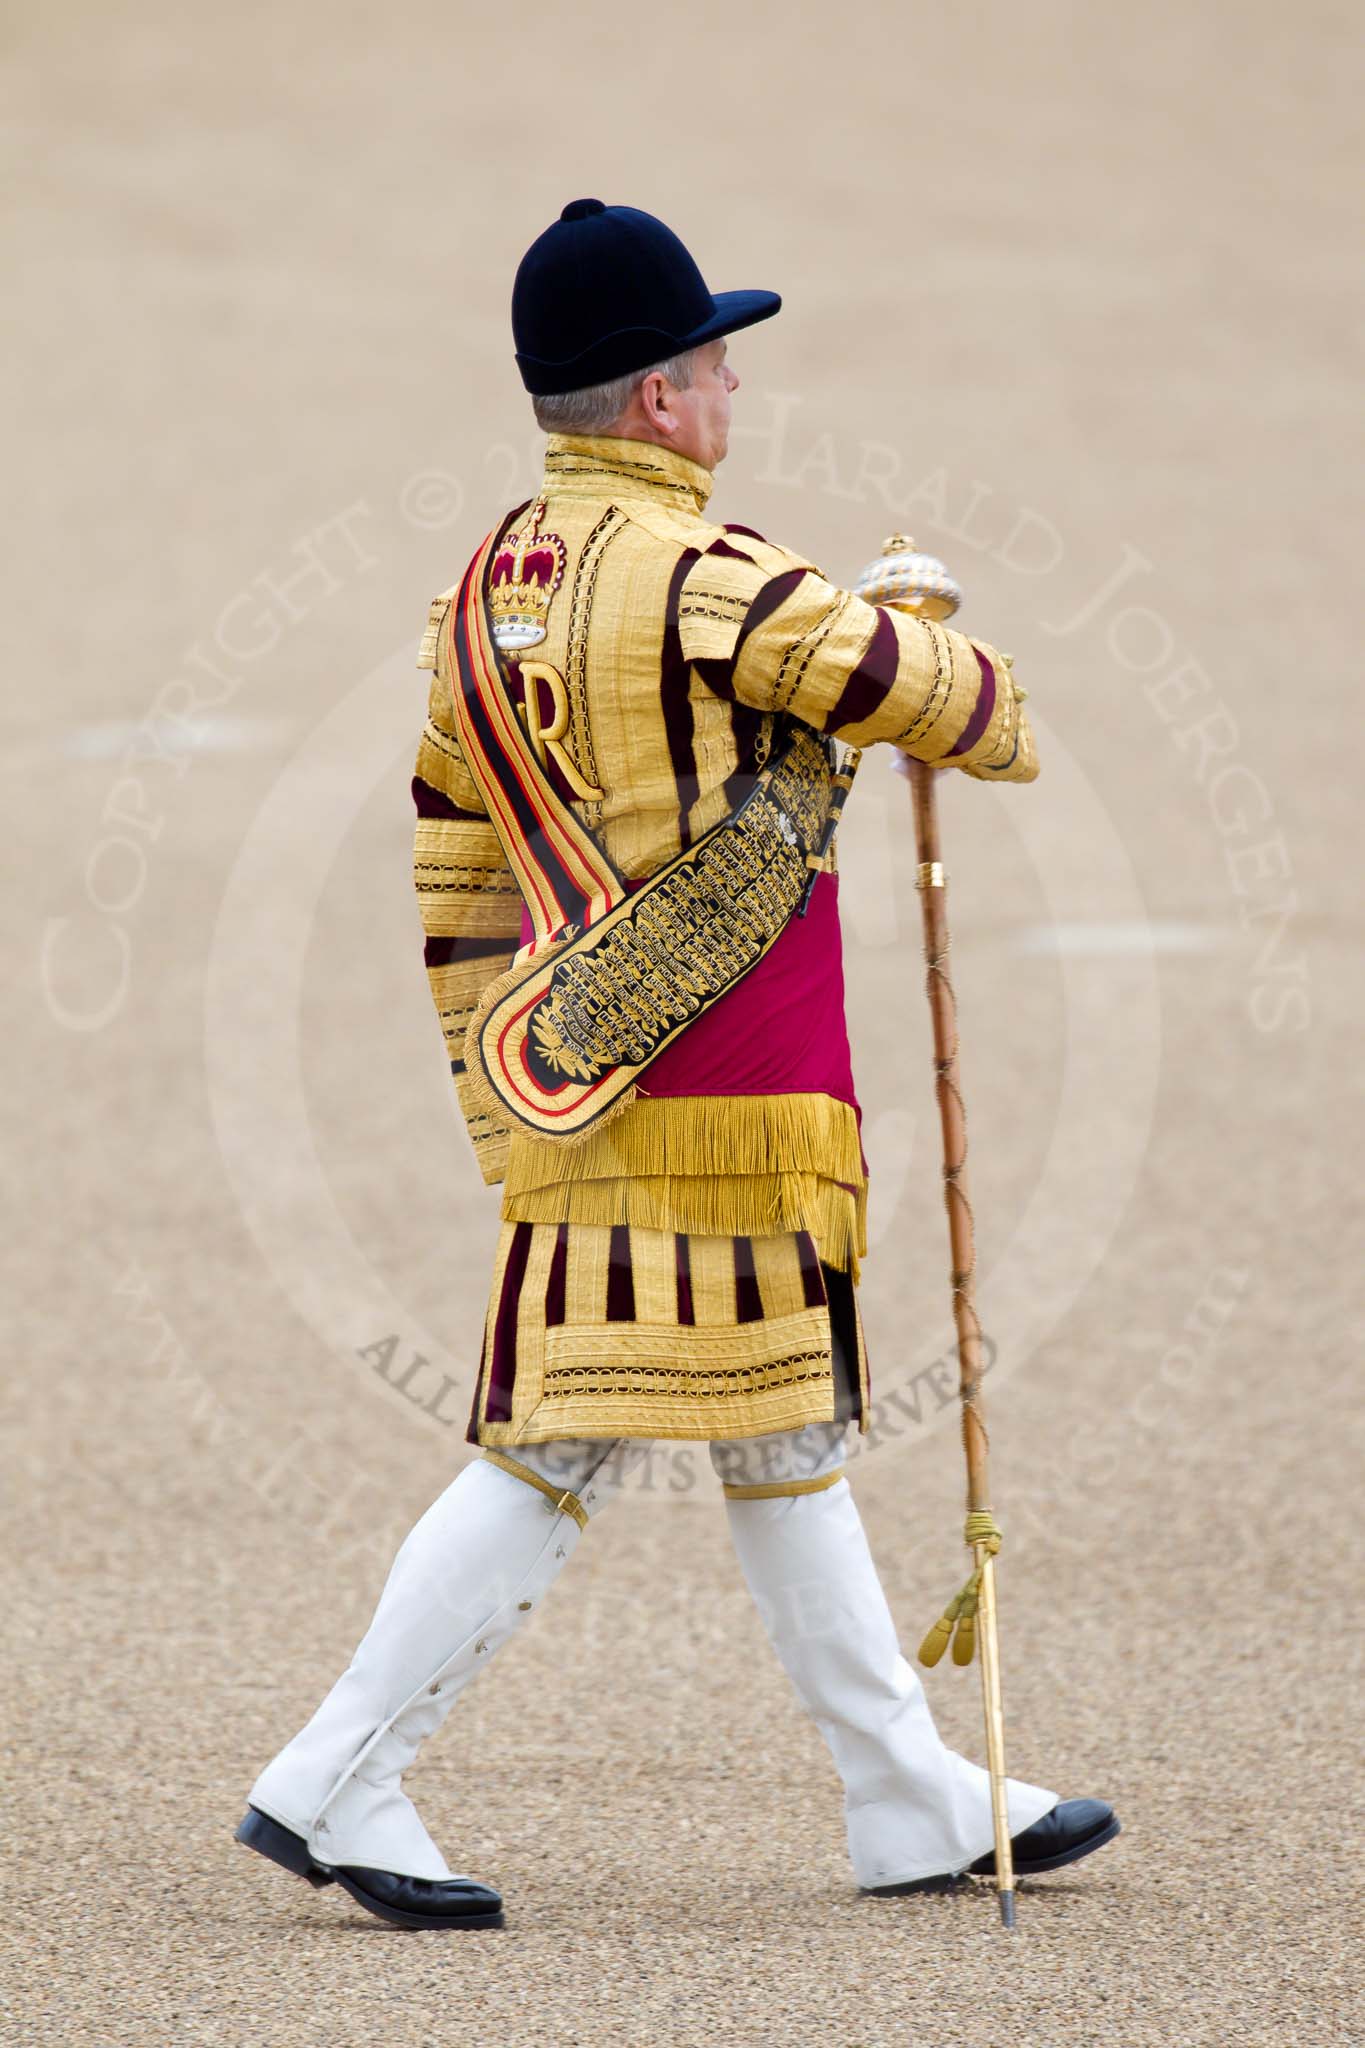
(564,876)
(592,876)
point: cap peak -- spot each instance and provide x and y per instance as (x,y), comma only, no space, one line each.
(579,209)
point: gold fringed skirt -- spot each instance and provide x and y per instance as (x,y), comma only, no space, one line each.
(622,1330)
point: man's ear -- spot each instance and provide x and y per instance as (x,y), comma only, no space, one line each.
(654,396)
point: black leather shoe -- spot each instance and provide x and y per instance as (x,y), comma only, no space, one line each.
(1074,1828)
(950,1881)
(1071,1830)
(404,1901)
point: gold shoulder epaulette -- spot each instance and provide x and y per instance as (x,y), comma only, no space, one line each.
(436,618)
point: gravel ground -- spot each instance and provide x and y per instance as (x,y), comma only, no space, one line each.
(1067,296)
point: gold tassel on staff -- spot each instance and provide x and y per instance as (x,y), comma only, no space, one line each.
(915,583)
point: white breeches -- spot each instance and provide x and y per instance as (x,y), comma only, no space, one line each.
(480,1559)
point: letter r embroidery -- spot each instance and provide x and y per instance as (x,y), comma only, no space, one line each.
(548,739)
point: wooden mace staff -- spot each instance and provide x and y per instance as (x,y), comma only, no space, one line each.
(915,583)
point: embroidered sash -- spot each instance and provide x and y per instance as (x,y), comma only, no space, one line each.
(564,876)
(611,975)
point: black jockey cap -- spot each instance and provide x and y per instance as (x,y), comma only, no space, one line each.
(607,290)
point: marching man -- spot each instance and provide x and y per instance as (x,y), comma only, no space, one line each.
(626,792)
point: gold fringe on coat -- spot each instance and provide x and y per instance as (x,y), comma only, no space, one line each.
(706,1164)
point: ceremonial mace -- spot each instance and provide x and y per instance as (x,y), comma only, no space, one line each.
(907,581)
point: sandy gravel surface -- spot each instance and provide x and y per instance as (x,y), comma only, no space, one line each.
(1068,295)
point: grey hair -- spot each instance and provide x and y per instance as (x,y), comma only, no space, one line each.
(598,406)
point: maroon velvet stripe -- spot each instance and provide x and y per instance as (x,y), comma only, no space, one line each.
(471,1435)
(432,804)
(812,1279)
(843,1337)
(445,952)
(683,1251)
(870,683)
(981,715)
(555,1286)
(718,673)
(732,526)
(504,1371)
(620,1279)
(675,697)
(775,592)
(748,1300)
(747,727)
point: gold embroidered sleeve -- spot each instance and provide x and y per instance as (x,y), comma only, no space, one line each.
(994,742)
(457,984)
(465,888)
(439,760)
(471,918)
(467,894)
(783,639)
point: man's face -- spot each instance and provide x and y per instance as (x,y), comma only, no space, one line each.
(704,409)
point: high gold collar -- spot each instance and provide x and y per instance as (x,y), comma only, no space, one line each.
(605,466)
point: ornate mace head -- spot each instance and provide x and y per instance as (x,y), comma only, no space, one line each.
(909,581)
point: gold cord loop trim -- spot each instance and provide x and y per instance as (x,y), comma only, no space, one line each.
(958,1619)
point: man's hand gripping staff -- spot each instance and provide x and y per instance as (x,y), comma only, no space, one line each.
(908,581)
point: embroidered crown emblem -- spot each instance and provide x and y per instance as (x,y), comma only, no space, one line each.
(527,571)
